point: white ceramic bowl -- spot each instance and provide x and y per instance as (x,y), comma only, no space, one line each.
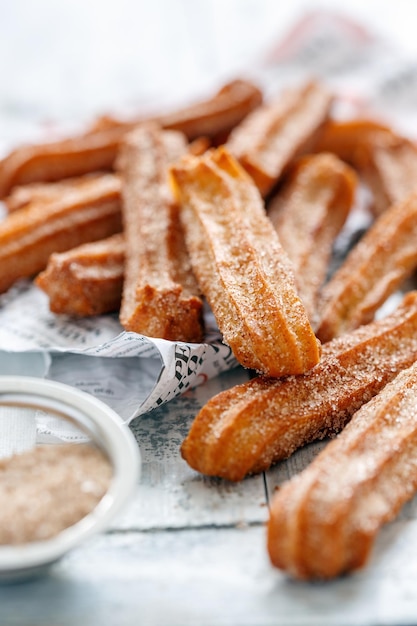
(108,431)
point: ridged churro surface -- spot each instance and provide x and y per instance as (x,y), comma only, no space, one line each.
(373,270)
(86,280)
(249,427)
(308,213)
(28,236)
(274,133)
(241,267)
(160,293)
(323,522)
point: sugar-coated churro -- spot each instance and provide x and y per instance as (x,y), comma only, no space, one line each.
(241,267)
(86,280)
(160,293)
(373,270)
(308,213)
(249,427)
(28,236)
(216,115)
(97,149)
(274,133)
(344,138)
(46,192)
(60,159)
(388,165)
(323,522)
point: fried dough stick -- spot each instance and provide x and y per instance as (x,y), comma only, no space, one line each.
(160,293)
(46,192)
(28,236)
(217,115)
(308,213)
(386,160)
(384,257)
(54,161)
(241,267)
(276,132)
(324,521)
(86,280)
(97,149)
(344,137)
(388,165)
(247,428)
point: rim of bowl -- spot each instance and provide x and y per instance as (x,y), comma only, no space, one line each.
(107,430)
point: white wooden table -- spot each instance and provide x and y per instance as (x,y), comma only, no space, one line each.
(190,551)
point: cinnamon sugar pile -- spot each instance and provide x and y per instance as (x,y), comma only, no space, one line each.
(49,488)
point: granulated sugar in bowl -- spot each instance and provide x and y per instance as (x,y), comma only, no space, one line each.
(68,465)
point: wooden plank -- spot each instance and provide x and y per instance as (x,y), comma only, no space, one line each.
(218,577)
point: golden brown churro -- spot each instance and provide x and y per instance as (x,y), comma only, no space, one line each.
(216,115)
(345,137)
(160,294)
(209,118)
(61,159)
(28,236)
(46,192)
(86,280)
(308,213)
(270,137)
(323,522)
(97,149)
(372,271)
(247,428)
(388,165)
(241,267)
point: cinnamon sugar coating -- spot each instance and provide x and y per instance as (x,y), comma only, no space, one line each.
(344,138)
(28,236)
(388,165)
(373,270)
(323,522)
(276,132)
(97,149)
(86,280)
(160,293)
(23,195)
(241,267)
(216,115)
(60,159)
(308,213)
(249,427)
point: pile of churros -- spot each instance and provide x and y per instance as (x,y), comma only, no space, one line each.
(238,202)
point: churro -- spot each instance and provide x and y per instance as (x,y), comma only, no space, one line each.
(218,114)
(323,522)
(160,293)
(344,138)
(57,160)
(388,164)
(247,428)
(97,149)
(308,213)
(241,267)
(86,280)
(210,118)
(23,195)
(276,132)
(378,264)
(28,236)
